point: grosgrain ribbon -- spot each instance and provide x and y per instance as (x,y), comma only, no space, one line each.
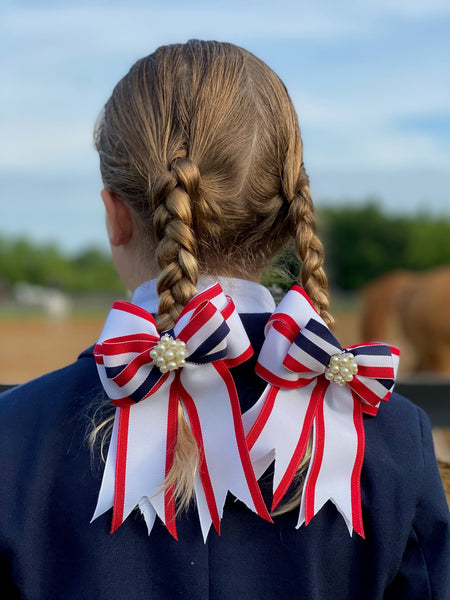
(299,399)
(145,425)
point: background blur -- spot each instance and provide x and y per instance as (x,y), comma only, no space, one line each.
(370,83)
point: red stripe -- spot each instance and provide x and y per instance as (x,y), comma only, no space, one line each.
(207,294)
(126,401)
(201,315)
(203,466)
(280,381)
(121,468)
(171,441)
(368,409)
(134,310)
(294,365)
(229,308)
(127,374)
(285,325)
(237,360)
(262,417)
(246,462)
(316,399)
(376,372)
(297,288)
(310,488)
(357,521)
(362,390)
(126,344)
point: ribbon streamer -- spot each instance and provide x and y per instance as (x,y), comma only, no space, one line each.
(144,434)
(299,400)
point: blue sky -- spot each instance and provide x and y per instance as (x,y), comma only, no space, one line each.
(370,81)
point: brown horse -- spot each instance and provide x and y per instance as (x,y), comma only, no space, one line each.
(418,305)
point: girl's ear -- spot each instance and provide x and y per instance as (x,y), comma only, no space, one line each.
(119,220)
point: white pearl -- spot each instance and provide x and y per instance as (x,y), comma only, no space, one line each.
(348,377)
(350,355)
(172,365)
(153,353)
(338,379)
(163,368)
(334,368)
(329,375)
(160,361)
(181,363)
(354,368)
(168,355)
(334,360)
(345,371)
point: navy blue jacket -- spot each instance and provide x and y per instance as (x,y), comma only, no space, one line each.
(49,486)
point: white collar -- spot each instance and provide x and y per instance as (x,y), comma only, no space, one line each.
(248,296)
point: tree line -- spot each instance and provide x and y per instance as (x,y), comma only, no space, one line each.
(361,243)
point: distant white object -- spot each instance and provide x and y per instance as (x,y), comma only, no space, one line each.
(53,302)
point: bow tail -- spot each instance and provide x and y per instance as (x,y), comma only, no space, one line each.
(105,498)
(216,423)
(139,457)
(335,467)
(282,428)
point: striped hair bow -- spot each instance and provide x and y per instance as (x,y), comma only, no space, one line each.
(146,376)
(316,386)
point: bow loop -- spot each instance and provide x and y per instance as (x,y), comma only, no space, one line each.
(204,330)
(130,370)
(312,349)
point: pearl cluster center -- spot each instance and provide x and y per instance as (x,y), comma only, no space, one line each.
(169,354)
(341,368)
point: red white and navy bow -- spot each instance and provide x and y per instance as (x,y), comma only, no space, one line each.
(316,385)
(207,340)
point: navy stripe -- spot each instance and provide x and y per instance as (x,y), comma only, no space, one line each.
(209,358)
(323,332)
(209,344)
(153,377)
(387,383)
(310,348)
(168,332)
(112,372)
(381,350)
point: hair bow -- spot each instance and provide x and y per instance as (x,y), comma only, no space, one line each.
(146,375)
(316,385)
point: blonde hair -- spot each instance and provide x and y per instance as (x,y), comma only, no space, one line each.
(202,141)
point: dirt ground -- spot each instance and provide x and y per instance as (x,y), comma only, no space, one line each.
(32,346)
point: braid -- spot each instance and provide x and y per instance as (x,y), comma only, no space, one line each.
(177,249)
(309,248)
(177,258)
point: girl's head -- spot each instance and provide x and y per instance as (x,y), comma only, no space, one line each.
(201,141)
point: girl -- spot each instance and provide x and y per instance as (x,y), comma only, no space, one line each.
(204,182)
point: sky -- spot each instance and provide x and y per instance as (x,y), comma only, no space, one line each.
(369,80)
